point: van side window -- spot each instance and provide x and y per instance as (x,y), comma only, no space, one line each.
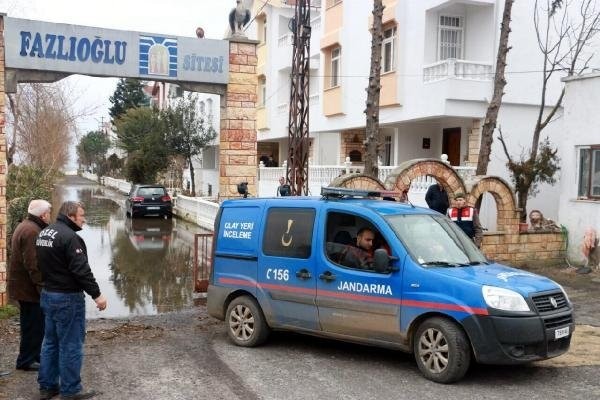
(289,232)
(352,240)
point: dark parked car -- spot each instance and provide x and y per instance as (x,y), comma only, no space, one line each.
(147,200)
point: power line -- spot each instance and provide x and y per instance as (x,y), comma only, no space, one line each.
(257,13)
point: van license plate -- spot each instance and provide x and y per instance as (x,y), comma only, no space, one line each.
(562,332)
(152,208)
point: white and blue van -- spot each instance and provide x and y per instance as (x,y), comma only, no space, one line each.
(428,291)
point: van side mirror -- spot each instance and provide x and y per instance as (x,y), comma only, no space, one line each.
(382,261)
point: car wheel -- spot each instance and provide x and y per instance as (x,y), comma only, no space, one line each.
(441,350)
(246,324)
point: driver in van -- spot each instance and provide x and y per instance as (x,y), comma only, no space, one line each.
(360,255)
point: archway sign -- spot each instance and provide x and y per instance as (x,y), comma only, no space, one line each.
(37,51)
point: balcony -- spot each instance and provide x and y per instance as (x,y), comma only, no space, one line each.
(457,69)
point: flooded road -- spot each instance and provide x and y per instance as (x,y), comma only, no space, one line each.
(143,266)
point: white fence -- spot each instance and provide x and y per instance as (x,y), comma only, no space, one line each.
(120,184)
(90,176)
(198,210)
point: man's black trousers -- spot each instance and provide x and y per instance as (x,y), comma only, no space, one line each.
(32,333)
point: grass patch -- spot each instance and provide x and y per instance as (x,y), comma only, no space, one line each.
(8,311)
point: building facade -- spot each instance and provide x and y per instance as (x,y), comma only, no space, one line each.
(579,205)
(438,61)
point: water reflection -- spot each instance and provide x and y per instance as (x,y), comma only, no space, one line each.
(143,266)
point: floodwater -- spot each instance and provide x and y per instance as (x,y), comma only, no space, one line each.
(143,265)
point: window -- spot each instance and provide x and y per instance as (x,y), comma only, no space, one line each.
(450,37)
(202,107)
(351,241)
(331,3)
(262,91)
(387,150)
(355,156)
(336,55)
(264,32)
(288,232)
(388,53)
(209,157)
(589,172)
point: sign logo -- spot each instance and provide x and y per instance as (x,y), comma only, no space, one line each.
(553,302)
(158,56)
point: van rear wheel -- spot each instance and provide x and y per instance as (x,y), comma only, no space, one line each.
(441,350)
(246,324)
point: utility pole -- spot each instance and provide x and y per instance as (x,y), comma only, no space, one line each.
(297,161)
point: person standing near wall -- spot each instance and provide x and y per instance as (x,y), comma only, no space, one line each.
(467,218)
(25,283)
(437,198)
(66,273)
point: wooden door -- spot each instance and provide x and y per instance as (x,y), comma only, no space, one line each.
(451,145)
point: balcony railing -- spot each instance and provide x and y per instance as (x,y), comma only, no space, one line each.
(286,40)
(457,69)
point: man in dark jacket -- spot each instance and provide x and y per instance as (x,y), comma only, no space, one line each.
(25,283)
(62,256)
(437,198)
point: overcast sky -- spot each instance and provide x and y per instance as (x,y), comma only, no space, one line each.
(173,17)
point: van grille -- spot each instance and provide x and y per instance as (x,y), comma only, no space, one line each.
(545,303)
(563,320)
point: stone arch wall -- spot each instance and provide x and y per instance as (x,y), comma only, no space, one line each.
(508,216)
(357,181)
(401,177)
(507,244)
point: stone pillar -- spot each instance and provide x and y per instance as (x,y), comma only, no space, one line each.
(3,296)
(474,143)
(237,147)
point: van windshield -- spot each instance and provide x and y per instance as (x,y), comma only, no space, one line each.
(434,240)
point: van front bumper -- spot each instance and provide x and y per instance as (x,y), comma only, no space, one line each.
(518,340)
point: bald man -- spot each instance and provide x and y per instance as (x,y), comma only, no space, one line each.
(25,283)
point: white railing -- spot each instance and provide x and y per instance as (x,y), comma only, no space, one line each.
(315,23)
(199,210)
(90,176)
(313,99)
(282,108)
(120,184)
(285,40)
(457,69)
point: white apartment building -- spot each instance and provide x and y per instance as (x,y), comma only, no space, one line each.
(206,165)
(437,79)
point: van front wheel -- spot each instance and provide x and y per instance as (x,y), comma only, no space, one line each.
(246,324)
(441,350)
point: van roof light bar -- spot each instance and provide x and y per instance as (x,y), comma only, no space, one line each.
(339,193)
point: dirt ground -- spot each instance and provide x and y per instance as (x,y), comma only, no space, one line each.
(171,356)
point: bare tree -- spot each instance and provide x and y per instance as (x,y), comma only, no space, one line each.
(42,125)
(564,42)
(372,142)
(491,116)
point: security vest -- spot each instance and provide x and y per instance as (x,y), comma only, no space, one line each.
(463,217)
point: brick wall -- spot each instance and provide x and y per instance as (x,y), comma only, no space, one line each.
(237,148)
(3,296)
(519,248)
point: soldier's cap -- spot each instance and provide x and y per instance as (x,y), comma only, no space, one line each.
(459,195)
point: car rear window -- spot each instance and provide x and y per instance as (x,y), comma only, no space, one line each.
(151,191)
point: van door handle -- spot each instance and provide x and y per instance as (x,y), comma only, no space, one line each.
(303,274)
(327,276)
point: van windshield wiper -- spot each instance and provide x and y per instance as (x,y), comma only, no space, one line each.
(441,263)
(453,264)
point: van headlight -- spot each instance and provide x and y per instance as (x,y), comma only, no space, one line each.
(504,299)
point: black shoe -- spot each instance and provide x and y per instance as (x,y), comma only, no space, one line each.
(47,394)
(34,366)
(81,395)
